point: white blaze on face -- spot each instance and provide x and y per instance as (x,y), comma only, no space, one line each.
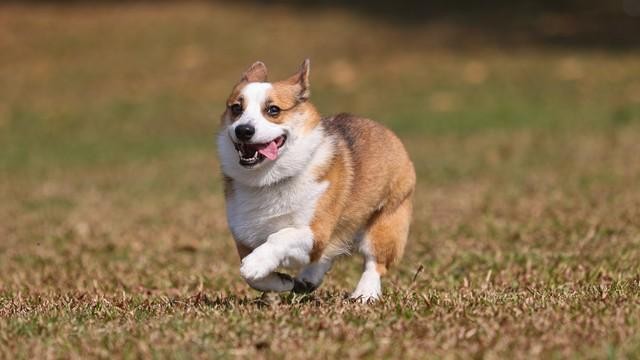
(289,160)
(254,97)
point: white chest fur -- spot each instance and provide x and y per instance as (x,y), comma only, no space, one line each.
(254,213)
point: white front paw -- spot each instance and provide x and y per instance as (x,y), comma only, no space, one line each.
(365,296)
(260,263)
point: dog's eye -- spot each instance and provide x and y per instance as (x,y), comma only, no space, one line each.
(236,109)
(273,110)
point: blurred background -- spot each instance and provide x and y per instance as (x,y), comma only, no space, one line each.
(88,83)
(522,118)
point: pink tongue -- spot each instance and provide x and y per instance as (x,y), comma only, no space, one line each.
(270,151)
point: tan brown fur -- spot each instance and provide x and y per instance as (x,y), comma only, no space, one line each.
(373,194)
(388,231)
(331,204)
(284,95)
(234,98)
(257,72)
(289,95)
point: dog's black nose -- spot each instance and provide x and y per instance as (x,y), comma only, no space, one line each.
(245,132)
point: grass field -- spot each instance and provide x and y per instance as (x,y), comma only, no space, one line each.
(113,242)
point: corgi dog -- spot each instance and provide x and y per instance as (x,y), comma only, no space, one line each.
(301,189)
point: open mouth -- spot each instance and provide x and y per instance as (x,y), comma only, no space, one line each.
(252,154)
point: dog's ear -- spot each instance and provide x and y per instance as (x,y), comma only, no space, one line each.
(301,79)
(255,73)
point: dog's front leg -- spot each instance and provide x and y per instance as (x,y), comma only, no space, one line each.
(287,247)
(273,282)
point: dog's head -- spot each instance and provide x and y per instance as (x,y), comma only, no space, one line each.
(268,128)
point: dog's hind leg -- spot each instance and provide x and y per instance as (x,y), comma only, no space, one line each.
(382,244)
